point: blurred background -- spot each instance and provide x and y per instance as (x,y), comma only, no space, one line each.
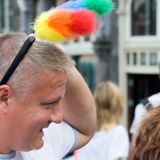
(125,49)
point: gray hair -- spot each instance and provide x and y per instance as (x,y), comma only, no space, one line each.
(41,55)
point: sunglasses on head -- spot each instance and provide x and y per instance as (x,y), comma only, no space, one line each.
(22,52)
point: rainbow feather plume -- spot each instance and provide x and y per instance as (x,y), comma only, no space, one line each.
(59,25)
(71,20)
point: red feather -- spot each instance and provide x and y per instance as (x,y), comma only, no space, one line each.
(84,22)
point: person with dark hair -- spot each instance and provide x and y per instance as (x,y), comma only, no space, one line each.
(46,108)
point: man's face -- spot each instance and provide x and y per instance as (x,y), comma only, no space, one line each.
(28,118)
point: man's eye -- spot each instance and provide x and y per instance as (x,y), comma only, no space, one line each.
(50,104)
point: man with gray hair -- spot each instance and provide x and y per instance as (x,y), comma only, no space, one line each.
(46,108)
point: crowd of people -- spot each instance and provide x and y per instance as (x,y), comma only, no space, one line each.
(48,112)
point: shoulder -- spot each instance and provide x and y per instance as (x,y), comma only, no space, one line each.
(140,110)
(120,130)
(120,142)
(121,136)
(139,115)
(155,100)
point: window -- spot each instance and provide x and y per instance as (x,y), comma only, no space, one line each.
(13,16)
(134,58)
(9,16)
(88,69)
(143,58)
(143,17)
(1,15)
(128,58)
(153,59)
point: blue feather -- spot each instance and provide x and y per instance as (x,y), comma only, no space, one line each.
(78,4)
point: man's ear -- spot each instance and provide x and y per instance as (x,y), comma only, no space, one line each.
(4,97)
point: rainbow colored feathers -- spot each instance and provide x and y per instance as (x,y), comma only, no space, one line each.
(71,19)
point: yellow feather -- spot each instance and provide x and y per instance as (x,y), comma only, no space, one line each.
(43,31)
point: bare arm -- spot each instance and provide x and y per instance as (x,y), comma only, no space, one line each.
(79,108)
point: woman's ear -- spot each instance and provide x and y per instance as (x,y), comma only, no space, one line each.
(4,97)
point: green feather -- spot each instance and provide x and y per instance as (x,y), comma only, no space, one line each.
(100,6)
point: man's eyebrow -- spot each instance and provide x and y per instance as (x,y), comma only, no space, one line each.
(50,101)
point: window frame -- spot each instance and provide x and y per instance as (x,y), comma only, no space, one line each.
(143,38)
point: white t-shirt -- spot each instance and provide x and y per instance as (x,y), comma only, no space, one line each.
(141,112)
(106,145)
(59,139)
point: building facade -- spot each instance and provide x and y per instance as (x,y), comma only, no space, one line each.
(139,50)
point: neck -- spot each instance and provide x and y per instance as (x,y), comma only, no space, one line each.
(4,139)
(108,126)
(3,146)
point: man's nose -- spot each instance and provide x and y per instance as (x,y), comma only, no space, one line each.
(57,115)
